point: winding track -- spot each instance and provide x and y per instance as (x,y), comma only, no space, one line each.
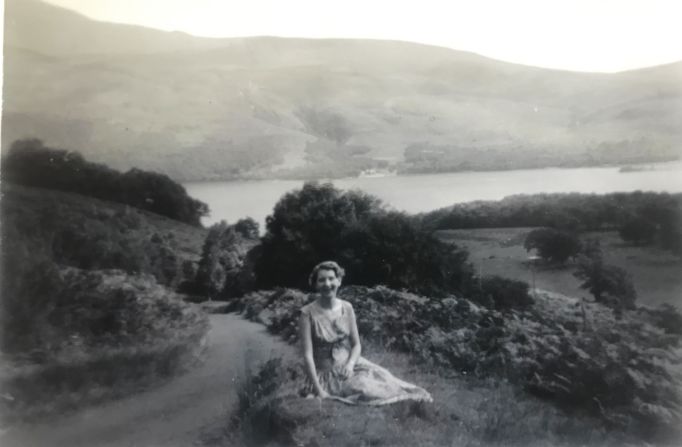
(176,413)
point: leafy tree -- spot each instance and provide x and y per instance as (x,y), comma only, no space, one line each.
(248,228)
(375,246)
(391,249)
(553,245)
(609,284)
(222,257)
(307,226)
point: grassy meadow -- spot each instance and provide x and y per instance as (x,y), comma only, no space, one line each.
(499,251)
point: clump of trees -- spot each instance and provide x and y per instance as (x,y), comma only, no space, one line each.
(30,163)
(553,245)
(651,224)
(375,246)
(585,212)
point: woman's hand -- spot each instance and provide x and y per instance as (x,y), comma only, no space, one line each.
(322,394)
(346,371)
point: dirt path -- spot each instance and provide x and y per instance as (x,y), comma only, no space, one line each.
(173,414)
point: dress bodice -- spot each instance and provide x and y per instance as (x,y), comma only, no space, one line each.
(330,333)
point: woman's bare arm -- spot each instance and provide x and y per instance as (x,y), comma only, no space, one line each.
(307,351)
(356,348)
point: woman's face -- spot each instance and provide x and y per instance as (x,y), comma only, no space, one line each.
(327,283)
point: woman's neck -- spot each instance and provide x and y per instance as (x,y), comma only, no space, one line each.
(327,302)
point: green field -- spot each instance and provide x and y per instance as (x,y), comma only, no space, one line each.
(657,274)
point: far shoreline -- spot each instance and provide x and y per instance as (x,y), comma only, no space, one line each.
(645,165)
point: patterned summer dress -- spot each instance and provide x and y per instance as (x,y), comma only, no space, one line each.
(370,384)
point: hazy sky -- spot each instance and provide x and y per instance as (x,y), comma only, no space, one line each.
(589,35)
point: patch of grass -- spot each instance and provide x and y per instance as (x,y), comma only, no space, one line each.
(466,412)
(499,251)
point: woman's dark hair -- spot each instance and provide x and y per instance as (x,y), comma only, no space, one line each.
(326,265)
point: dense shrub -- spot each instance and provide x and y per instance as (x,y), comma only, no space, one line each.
(32,164)
(47,308)
(45,301)
(502,293)
(638,230)
(375,246)
(553,245)
(71,336)
(29,284)
(222,260)
(609,284)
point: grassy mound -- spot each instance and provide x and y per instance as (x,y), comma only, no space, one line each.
(626,371)
(469,412)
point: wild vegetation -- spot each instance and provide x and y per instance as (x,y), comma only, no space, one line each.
(376,246)
(88,308)
(658,214)
(99,271)
(623,371)
(225,269)
(608,358)
(91,234)
(552,245)
(30,163)
(608,284)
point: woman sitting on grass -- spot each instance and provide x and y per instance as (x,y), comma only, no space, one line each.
(331,350)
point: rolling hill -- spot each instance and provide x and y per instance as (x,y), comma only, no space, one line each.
(201,108)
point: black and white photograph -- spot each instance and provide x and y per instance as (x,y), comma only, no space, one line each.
(430,223)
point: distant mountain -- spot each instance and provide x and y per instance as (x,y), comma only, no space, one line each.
(200,108)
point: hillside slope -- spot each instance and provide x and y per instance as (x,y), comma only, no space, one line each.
(200,108)
(84,232)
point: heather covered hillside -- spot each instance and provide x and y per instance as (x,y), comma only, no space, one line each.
(199,108)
